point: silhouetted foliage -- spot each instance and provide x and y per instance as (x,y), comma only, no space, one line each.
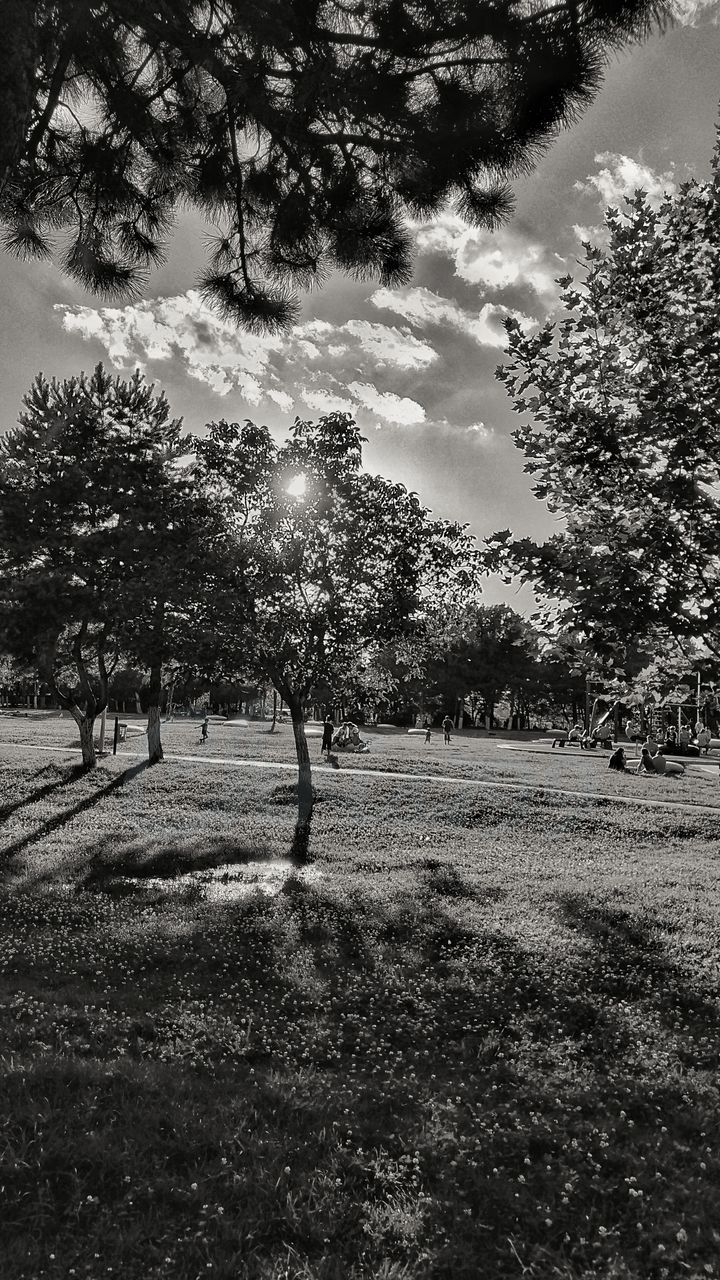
(301,131)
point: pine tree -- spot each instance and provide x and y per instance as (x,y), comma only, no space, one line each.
(303,129)
(104,541)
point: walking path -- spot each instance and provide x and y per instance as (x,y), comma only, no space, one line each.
(644,801)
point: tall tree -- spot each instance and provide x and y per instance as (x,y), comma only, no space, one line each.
(334,561)
(303,130)
(94,538)
(622,433)
(483,648)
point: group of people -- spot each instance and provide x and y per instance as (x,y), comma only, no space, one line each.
(347,737)
(650,761)
(653,752)
(587,739)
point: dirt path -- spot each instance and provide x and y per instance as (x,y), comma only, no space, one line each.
(542,788)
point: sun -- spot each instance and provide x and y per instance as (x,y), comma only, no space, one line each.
(296,487)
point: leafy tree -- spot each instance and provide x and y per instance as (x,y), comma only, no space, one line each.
(302,130)
(623,436)
(483,649)
(334,561)
(98,530)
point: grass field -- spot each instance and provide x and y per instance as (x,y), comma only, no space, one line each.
(477,1037)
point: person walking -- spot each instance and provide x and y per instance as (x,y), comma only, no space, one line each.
(328,730)
(447,725)
(204,729)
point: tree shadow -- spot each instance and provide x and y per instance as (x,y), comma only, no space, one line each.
(72,774)
(144,859)
(331,1060)
(61,819)
(630,963)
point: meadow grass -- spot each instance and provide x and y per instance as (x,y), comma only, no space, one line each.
(477,1037)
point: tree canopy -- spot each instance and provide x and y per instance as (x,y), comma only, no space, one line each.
(303,130)
(334,562)
(622,433)
(103,540)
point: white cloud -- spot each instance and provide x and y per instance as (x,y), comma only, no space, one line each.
(212,351)
(385,404)
(496,260)
(622,176)
(280,398)
(324,401)
(182,327)
(423,307)
(480,433)
(689,13)
(390,345)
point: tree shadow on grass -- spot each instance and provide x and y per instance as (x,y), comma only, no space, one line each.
(169,859)
(385,1086)
(72,774)
(51,825)
(629,962)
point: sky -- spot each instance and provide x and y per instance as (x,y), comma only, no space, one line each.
(414,365)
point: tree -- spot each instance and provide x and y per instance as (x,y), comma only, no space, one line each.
(98,530)
(303,129)
(333,561)
(482,649)
(623,395)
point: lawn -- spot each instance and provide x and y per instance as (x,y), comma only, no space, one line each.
(477,1037)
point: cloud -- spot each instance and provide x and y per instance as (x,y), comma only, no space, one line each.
(386,405)
(324,401)
(423,307)
(690,13)
(359,366)
(389,345)
(480,433)
(495,260)
(622,176)
(183,329)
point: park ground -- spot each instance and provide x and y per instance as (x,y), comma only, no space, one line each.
(476,1037)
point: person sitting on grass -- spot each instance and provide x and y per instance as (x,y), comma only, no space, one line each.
(651,743)
(659,764)
(617,760)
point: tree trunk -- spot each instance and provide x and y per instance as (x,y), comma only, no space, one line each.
(274,719)
(155,751)
(301,838)
(18,62)
(86,725)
